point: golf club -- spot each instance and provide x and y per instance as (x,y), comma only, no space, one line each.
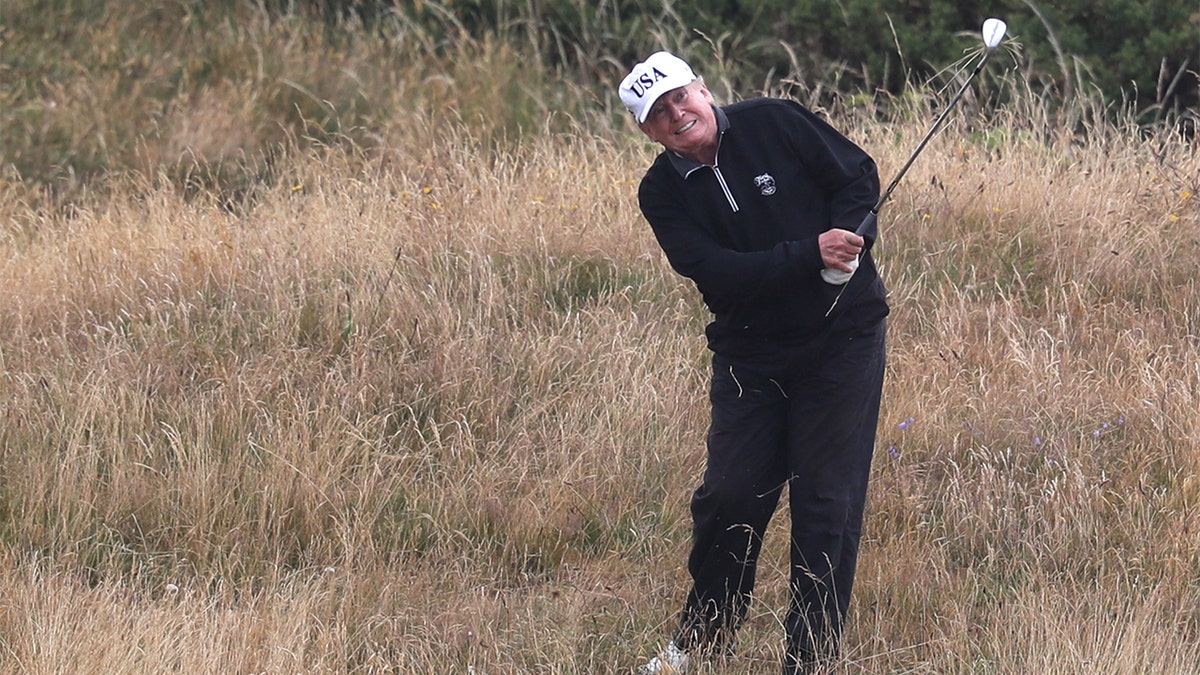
(993,33)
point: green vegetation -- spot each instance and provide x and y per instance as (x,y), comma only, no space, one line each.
(205,94)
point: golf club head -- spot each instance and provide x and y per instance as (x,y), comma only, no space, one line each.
(993,33)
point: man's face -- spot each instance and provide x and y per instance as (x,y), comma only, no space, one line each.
(682,120)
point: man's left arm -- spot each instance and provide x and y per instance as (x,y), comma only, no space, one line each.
(845,171)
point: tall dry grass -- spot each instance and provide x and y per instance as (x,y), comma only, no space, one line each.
(207,95)
(442,408)
(430,401)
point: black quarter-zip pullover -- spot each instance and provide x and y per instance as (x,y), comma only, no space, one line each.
(745,229)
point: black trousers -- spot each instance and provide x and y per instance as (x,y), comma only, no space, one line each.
(807,423)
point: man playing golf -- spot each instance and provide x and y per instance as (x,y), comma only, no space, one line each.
(751,201)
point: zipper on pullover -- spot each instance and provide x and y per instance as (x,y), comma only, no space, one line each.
(717,172)
(725,188)
(720,181)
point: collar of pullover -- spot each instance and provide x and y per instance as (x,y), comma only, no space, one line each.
(686,166)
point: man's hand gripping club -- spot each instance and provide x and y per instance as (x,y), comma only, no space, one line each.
(839,253)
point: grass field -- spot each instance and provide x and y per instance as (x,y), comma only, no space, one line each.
(431,401)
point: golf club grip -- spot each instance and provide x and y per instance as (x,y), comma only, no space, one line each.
(869,227)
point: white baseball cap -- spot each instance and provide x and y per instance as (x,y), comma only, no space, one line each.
(659,73)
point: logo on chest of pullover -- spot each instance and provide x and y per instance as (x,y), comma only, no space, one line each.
(766,184)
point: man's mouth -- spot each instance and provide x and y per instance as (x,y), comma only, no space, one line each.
(685,127)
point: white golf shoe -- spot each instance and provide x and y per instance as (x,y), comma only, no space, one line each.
(670,661)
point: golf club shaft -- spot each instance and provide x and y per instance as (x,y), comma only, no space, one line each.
(933,129)
(870,222)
